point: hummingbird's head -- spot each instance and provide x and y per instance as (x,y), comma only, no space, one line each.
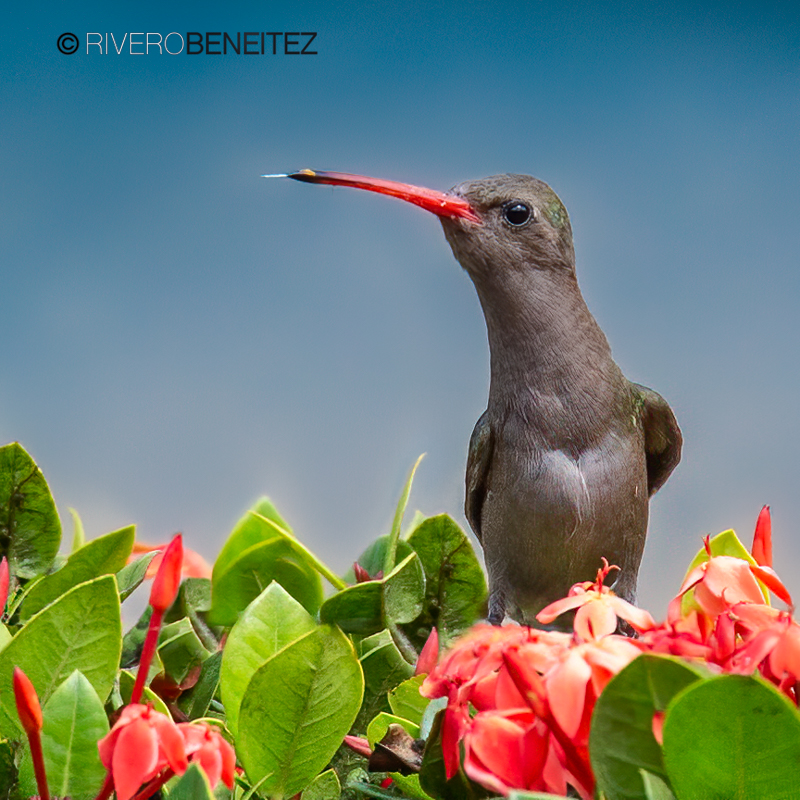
(513,223)
(523,226)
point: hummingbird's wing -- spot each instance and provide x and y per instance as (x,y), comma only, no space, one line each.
(662,436)
(481,446)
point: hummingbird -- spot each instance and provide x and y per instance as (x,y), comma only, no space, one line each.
(564,460)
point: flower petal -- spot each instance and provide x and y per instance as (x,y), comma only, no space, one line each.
(171,742)
(595,619)
(770,579)
(762,539)
(566,691)
(555,609)
(135,758)
(228,762)
(640,619)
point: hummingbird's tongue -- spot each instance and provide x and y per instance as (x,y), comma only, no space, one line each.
(444,205)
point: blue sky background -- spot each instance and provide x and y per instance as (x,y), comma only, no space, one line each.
(180,336)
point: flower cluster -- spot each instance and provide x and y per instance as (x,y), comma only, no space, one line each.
(147,747)
(520,699)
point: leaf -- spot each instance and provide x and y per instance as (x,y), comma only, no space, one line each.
(391,551)
(621,741)
(455,586)
(406,701)
(78,535)
(180,650)
(654,787)
(270,623)
(8,771)
(383,664)
(373,557)
(297,709)
(195,702)
(102,556)
(325,786)
(126,682)
(131,576)
(404,591)
(275,559)
(384,668)
(81,630)
(249,531)
(192,785)
(732,736)
(367,608)
(356,609)
(133,640)
(74,721)
(30,530)
(409,786)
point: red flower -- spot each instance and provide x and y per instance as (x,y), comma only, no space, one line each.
(723,581)
(168,578)
(30,715)
(194,565)
(206,746)
(773,644)
(142,743)
(429,654)
(28,707)
(506,750)
(598,608)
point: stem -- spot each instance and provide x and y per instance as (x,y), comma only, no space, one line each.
(153,785)
(148,651)
(35,741)
(106,788)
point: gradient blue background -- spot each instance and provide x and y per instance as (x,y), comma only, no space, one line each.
(179,336)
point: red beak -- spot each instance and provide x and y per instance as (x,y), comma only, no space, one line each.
(439,203)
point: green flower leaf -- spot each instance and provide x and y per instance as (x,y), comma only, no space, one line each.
(131,576)
(192,785)
(102,556)
(406,701)
(271,622)
(180,649)
(732,736)
(356,609)
(195,702)
(621,742)
(73,721)
(30,530)
(296,710)
(249,531)
(243,573)
(325,786)
(81,630)
(367,608)
(455,587)
(126,682)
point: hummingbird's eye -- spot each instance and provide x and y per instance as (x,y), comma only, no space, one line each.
(517,213)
